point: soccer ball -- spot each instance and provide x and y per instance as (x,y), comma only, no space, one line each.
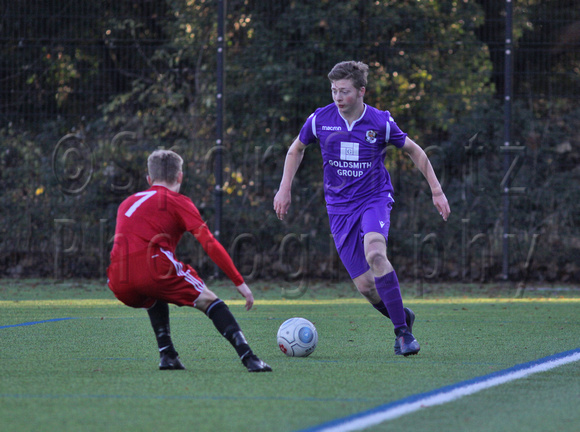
(297,337)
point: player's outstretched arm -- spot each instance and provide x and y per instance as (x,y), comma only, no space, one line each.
(246,293)
(220,256)
(283,197)
(421,161)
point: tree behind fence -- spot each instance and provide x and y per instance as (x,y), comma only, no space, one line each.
(88,89)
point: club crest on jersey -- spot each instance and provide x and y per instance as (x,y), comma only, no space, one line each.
(371,136)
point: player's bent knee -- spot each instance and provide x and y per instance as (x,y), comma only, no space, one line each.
(206,298)
(376,259)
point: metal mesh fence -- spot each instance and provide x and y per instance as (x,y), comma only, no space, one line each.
(77,74)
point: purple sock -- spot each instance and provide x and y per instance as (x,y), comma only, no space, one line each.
(390,292)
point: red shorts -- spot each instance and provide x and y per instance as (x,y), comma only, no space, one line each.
(141,279)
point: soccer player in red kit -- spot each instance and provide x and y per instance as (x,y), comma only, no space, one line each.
(144,272)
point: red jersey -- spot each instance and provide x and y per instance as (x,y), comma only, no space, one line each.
(158,218)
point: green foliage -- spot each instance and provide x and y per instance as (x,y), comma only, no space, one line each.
(118,80)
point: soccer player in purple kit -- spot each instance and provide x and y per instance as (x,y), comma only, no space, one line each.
(353,137)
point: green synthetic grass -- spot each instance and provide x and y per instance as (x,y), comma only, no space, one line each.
(98,370)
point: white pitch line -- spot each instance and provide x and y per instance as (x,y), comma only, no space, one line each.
(388,412)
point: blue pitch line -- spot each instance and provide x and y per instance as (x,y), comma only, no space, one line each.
(337,423)
(35,322)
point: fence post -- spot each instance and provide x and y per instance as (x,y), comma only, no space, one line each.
(508,91)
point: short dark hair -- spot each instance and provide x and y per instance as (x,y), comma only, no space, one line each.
(355,71)
(164,165)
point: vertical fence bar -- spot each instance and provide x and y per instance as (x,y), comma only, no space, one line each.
(219,121)
(508,93)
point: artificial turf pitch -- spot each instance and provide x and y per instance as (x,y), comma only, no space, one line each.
(74,359)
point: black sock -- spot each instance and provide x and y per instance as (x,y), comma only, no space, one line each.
(159,316)
(226,324)
(380,306)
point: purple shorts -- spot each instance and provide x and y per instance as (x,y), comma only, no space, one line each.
(349,230)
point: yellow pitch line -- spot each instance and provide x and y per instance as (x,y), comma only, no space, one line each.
(282,302)
(411,301)
(63,302)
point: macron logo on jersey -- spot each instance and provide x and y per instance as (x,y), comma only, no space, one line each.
(331,128)
(349,151)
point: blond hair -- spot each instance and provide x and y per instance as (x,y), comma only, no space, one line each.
(164,165)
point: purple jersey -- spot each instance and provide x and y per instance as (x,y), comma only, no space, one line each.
(353,157)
